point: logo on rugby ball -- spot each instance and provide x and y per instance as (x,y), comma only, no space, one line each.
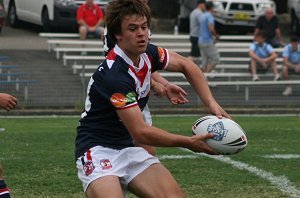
(218,130)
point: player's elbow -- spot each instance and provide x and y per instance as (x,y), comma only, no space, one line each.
(140,135)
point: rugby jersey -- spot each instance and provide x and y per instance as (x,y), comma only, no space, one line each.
(116,84)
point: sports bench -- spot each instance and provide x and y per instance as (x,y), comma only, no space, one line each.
(101,58)
(153,36)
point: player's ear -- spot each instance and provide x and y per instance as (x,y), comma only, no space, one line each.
(118,37)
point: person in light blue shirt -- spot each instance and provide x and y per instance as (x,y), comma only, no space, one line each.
(262,56)
(291,62)
(209,53)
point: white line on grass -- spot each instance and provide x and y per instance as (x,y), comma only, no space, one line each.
(281,182)
(282,156)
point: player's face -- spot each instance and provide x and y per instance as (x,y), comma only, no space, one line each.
(134,37)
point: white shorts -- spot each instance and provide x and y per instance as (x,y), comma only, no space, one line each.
(126,164)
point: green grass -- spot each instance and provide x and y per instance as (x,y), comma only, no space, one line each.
(38,157)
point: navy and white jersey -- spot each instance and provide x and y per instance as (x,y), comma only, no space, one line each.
(117,84)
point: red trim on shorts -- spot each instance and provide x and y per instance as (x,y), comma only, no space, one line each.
(4,190)
(88,155)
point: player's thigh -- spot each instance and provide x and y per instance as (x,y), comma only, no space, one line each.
(107,186)
(156,181)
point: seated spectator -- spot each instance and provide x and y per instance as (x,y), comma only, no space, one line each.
(90,18)
(262,57)
(269,23)
(291,62)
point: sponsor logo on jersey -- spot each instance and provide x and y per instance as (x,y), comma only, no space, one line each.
(161,54)
(218,130)
(105,164)
(120,100)
(88,167)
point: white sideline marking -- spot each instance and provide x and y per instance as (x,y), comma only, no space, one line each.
(281,182)
(163,157)
(282,156)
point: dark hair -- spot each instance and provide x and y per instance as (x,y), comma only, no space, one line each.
(294,38)
(261,33)
(209,5)
(117,10)
(201,1)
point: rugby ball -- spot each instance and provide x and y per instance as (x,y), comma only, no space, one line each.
(229,137)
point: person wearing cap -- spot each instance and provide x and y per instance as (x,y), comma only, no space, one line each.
(195,18)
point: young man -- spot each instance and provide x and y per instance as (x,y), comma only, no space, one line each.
(90,19)
(195,18)
(269,24)
(112,122)
(209,52)
(7,102)
(161,86)
(262,57)
(291,62)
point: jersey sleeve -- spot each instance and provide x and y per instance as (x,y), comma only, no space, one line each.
(158,56)
(119,92)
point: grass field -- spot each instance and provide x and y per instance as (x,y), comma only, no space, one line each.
(37,154)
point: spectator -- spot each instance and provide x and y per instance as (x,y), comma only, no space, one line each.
(2,15)
(195,18)
(291,62)
(7,102)
(90,18)
(112,122)
(269,23)
(262,57)
(209,53)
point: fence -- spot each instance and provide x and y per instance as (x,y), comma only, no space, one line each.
(58,77)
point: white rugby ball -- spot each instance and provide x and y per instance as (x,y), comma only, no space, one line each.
(229,137)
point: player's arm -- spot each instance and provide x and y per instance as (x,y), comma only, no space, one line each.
(196,78)
(150,135)
(287,63)
(163,87)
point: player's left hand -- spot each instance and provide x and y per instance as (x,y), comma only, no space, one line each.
(217,110)
(176,94)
